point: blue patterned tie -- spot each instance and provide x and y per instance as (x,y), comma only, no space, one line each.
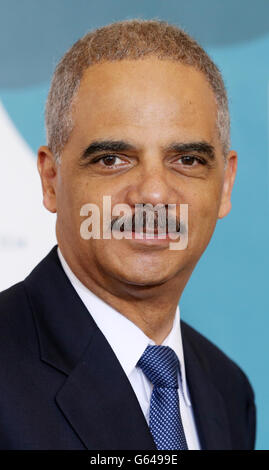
(160,364)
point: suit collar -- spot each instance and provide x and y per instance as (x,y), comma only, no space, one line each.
(96,397)
(208,404)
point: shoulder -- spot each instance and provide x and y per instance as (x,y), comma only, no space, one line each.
(13,299)
(228,379)
(16,303)
(221,369)
(16,321)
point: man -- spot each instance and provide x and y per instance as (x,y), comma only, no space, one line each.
(93,353)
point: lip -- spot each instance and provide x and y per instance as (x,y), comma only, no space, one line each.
(149,238)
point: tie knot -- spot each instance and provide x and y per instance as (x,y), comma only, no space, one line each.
(160,364)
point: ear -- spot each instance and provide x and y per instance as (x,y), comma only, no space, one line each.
(47,168)
(229,177)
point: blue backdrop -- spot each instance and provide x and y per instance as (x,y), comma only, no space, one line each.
(227,296)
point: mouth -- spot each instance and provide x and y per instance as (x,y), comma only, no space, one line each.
(150,234)
(149,237)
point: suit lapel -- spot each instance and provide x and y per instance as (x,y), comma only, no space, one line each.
(98,401)
(96,397)
(208,404)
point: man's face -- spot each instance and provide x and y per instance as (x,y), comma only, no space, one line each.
(154,107)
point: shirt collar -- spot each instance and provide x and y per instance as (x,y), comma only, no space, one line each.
(121,332)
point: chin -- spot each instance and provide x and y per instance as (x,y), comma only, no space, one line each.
(145,278)
(144,271)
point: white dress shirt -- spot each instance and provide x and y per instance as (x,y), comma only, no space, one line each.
(129,345)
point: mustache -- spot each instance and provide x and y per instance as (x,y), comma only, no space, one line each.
(143,221)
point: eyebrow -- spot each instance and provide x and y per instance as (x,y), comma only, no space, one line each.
(201,147)
(107,145)
(123,146)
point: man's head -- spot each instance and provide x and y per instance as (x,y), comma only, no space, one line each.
(136,111)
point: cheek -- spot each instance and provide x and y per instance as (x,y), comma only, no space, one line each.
(74,191)
(203,211)
(70,198)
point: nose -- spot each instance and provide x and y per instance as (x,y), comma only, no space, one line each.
(152,185)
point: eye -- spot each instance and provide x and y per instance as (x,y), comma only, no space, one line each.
(109,160)
(190,160)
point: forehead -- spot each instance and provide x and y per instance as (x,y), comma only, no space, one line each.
(145,96)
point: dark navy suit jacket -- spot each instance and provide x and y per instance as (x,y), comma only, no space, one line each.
(62,387)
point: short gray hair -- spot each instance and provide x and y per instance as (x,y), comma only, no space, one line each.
(130,39)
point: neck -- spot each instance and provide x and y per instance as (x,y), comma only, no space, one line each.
(151,308)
